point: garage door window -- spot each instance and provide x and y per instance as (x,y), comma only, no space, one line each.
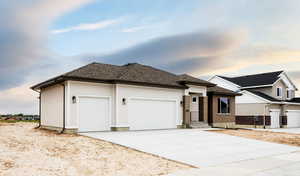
(223,105)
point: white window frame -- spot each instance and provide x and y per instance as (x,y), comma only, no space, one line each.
(280,92)
(220,108)
(193,99)
(289,94)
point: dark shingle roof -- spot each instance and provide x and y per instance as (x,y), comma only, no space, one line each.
(221,91)
(295,100)
(185,78)
(254,80)
(265,96)
(129,73)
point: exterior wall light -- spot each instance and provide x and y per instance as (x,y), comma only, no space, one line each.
(124,101)
(73,99)
(181,103)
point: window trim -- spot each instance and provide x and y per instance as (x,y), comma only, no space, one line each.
(289,94)
(193,99)
(280,92)
(228,106)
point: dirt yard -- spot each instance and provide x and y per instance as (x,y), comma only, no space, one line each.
(26,151)
(282,138)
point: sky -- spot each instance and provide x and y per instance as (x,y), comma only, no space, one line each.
(40,39)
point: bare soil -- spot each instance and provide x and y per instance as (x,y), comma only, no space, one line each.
(27,151)
(276,137)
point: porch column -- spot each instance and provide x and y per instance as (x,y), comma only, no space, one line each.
(205,109)
(186,110)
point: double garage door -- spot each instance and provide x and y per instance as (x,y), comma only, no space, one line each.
(143,114)
(293,119)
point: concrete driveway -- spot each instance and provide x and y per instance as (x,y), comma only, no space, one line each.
(196,147)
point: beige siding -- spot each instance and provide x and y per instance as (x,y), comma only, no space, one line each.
(290,107)
(284,89)
(250,109)
(52,106)
(265,90)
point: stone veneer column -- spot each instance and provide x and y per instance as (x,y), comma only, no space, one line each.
(205,109)
(186,110)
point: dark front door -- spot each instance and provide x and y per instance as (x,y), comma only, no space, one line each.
(201,118)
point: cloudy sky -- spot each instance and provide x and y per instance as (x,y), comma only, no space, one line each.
(42,38)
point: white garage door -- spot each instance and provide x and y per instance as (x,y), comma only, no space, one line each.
(275,114)
(145,114)
(94,114)
(293,119)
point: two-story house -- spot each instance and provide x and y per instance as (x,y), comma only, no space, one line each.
(268,99)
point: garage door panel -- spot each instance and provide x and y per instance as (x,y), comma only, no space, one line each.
(293,119)
(152,114)
(94,114)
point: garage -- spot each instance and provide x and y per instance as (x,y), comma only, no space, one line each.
(146,114)
(93,114)
(293,118)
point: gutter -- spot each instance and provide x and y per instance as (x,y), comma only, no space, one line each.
(64,109)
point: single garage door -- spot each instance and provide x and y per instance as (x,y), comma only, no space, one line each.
(94,114)
(145,114)
(293,119)
(275,114)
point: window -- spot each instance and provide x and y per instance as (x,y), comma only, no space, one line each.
(289,94)
(279,92)
(223,105)
(194,99)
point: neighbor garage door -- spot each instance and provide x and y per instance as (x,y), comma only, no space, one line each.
(145,114)
(94,114)
(293,119)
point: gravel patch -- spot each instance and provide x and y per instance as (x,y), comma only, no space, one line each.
(27,151)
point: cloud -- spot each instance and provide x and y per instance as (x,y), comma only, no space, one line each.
(183,52)
(23,36)
(18,100)
(134,29)
(88,26)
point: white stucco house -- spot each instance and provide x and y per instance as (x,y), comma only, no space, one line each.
(104,97)
(268,99)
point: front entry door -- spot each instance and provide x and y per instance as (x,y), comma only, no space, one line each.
(195,108)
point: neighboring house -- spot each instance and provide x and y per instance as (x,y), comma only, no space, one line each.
(268,99)
(103,97)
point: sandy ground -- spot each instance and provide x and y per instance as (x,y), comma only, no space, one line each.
(29,152)
(282,138)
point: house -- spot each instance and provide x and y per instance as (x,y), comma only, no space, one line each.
(268,99)
(104,97)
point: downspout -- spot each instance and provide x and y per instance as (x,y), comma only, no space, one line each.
(64,109)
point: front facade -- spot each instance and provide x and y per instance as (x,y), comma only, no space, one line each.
(268,100)
(92,98)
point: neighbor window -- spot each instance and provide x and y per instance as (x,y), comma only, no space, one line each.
(194,99)
(223,105)
(288,94)
(279,91)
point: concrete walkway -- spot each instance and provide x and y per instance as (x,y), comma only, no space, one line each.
(199,148)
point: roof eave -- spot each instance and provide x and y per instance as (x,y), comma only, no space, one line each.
(197,83)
